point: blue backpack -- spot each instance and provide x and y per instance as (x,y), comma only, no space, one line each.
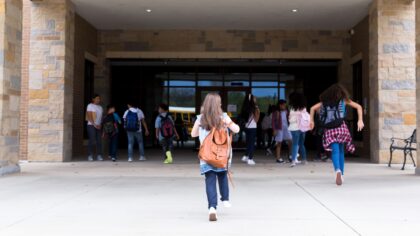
(132,121)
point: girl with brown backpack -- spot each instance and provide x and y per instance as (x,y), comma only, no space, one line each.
(213,127)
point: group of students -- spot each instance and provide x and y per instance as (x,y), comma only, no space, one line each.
(108,126)
(290,125)
(280,125)
(214,129)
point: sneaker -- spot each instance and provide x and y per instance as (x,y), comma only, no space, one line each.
(293,164)
(245,158)
(142,158)
(113,159)
(298,162)
(130,159)
(338,178)
(90,158)
(304,162)
(212,214)
(99,158)
(281,161)
(168,159)
(227,204)
(251,162)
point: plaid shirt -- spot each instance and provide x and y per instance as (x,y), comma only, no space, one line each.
(338,135)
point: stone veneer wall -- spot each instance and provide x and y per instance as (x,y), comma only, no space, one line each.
(10,79)
(51,80)
(218,41)
(392,74)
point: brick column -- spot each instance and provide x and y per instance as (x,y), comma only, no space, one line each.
(418,79)
(392,74)
(10,66)
(50,83)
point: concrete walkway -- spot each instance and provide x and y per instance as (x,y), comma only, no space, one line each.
(149,198)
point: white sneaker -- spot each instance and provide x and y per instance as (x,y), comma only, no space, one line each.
(130,159)
(293,164)
(142,158)
(99,158)
(298,162)
(90,158)
(227,204)
(212,214)
(245,158)
(251,162)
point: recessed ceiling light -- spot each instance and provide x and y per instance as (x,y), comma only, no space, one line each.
(148,10)
(294,10)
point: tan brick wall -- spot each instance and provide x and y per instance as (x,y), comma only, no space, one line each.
(50,84)
(26,27)
(220,41)
(10,83)
(392,74)
(86,41)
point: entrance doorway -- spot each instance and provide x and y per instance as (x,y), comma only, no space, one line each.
(183,85)
(232,100)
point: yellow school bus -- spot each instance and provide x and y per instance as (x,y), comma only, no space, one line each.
(186,114)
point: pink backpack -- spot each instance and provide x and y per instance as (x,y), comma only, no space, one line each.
(304,121)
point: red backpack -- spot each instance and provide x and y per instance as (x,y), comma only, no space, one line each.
(166,126)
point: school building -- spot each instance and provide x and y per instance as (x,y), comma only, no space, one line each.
(55,54)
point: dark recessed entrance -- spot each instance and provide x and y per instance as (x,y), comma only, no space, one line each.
(183,84)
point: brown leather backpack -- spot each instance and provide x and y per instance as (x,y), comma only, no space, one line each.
(216,148)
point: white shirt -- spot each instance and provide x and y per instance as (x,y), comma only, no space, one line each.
(294,119)
(140,115)
(251,123)
(98,113)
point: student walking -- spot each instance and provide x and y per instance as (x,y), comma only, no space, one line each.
(94,113)
(250,115)
(211,120)
(165,132)
(267,127)
(110,125)
(134,119)
(281,129)
(299,122)
(336,137)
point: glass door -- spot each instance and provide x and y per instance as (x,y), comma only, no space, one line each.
(232,100)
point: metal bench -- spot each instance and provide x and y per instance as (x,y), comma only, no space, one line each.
(407,145)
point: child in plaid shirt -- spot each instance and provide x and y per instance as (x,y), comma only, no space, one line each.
(336,137)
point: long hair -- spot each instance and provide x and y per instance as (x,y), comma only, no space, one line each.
(211,112)
(334,94)
(297,101)
(249,107)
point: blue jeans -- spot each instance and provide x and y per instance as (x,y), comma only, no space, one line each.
(95,139)
(135,136)
(251,134)
(298,144)
(338,156)
(211,188)
(113,146)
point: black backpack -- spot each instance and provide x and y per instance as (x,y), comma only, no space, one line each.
(109,125)
(330,116)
